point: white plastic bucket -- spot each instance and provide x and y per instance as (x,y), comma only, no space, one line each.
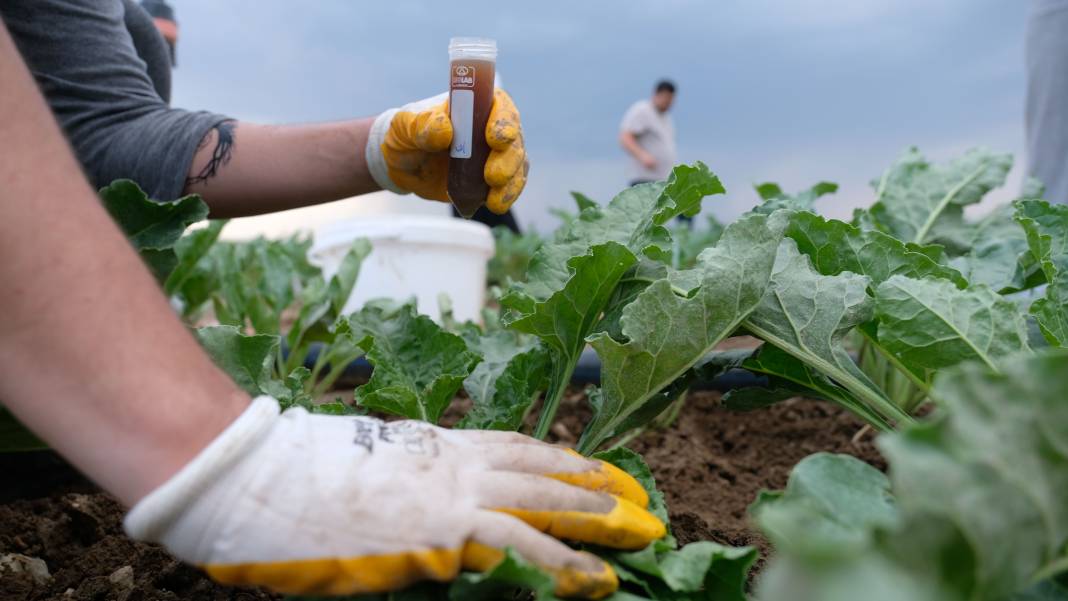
(412,256)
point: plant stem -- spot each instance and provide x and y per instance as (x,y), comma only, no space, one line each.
(331,377)
(626,438)
(665,420)
(897,364)
(861,386)
(320,362)
(561,377)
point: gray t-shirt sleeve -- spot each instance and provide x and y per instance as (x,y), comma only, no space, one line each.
(636,119)
(96,79)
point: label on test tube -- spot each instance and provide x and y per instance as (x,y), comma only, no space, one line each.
(462,108)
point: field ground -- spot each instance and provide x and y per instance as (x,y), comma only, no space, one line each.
(710,465)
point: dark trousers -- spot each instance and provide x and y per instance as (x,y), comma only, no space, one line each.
(488,217)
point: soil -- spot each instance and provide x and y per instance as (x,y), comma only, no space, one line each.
(710,465)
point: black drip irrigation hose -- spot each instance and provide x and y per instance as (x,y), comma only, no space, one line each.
(588,371)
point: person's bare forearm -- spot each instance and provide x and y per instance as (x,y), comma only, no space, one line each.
(630,144)
(247,169)
(92,358)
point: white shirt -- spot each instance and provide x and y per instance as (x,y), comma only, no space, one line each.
(655,133)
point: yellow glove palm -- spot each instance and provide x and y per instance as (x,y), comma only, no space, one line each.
(408,151)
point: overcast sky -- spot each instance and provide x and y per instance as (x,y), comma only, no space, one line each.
(793,91)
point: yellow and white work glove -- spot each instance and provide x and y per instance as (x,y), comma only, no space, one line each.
(408,150)
(331,505)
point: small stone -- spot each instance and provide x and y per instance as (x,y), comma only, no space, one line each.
(561,432)
(123,577)
(34,567)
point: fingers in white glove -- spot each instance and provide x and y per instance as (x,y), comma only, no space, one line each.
(536,493)
(537,459)
(577,573)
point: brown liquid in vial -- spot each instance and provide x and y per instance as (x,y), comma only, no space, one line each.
(470,101)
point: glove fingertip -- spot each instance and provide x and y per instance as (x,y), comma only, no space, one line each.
(436,134)
(501,133)
(496,201)
(589,585)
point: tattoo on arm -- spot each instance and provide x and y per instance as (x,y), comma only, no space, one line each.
(224,149)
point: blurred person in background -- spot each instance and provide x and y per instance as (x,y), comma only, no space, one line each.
(647,133)
(1047,96)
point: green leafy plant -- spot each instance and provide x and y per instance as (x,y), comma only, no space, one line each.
(257,290)
(511,256)
(155,228)
(262,286)
(848,312)
(928,289)
(973,509)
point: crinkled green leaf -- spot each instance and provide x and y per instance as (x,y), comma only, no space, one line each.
(666,334)
(417,365)
(830,507)
(633,219)
(713,570)
(190,250)
(512,373)
(253,282)
(835,246)
(998,255)
(249,360)
(571,280)
(153,228)
(512,254)
(691,240)
(504,581)
(979,491)
(148,223)
(769,190)
(584,202)
(807,315)
(995,465)
(1046,227)
(290,391)
(565,318)
(923,203)
(930,324)
(775,199)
